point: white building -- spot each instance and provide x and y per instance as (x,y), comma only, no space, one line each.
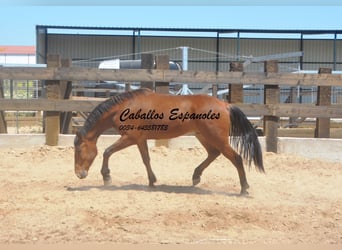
(17,54)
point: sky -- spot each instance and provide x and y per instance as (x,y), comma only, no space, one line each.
(19,18)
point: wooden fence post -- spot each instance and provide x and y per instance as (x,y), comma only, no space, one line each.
(3,124)
(235,94)
(271,96)
(147,62)
(322,129)
(162,62)
(52,118)
(65,92)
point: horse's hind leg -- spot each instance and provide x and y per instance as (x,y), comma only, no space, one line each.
(143,148)
(213,153)
(236,159)
(121,143)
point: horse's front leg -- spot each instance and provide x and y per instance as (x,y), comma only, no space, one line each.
(107,179)
(122,143)
(143,148)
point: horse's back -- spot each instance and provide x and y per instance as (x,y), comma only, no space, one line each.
(160,116)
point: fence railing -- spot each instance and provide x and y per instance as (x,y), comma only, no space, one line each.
(58,77)
(158,75)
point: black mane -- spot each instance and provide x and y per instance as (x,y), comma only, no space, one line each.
(97,113)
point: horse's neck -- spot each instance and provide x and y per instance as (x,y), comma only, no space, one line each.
(101,125)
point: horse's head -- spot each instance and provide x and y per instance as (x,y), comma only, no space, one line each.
(85,153)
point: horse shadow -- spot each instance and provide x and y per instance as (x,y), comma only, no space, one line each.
(170,189)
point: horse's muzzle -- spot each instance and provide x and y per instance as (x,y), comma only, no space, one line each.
(82,174)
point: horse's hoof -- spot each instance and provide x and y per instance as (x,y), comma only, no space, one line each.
(151,180)
(107,181)
(244,193)
(195,181)
(151,185)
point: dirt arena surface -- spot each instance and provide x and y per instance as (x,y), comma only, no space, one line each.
(42,201)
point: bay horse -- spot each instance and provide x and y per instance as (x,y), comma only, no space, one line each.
(142,114)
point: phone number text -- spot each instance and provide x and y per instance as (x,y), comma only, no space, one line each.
(147,127)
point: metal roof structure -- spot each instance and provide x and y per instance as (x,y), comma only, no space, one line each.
(209,30)
(239,44)
(210,49)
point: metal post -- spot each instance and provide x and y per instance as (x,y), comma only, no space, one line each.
(185,89)
(238,47)
(217,51)
(185,58)
(335,51)
(136,46)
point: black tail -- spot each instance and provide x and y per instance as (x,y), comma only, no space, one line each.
(244,138)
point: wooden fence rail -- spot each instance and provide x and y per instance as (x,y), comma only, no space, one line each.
(159,75)
(59,75)
(281,110)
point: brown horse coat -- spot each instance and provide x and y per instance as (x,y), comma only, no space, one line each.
(142,114)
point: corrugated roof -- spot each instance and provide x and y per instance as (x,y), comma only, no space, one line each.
(17,50)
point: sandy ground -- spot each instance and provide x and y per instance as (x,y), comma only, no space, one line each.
(42,201)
